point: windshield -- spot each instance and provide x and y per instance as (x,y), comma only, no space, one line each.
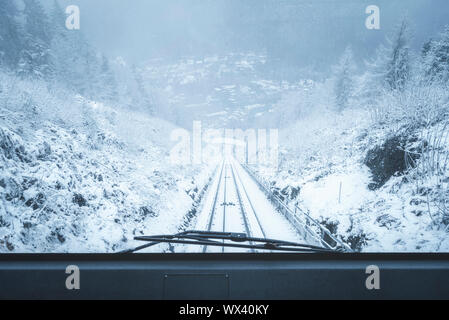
(258,124)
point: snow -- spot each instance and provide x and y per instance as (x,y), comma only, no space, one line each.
(354,193)
(188,79)
(254,106)
(219,113)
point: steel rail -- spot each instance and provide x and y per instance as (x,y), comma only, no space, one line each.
(242,209)
(224,205)
(211,216)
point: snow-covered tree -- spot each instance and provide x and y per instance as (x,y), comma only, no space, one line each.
(397,59)
(35,59)
(426,48)
(344,79)
(391,66)
(389,70)
(10,38)
(142,98)
(76,63)
(89,82)
(436,58)
(108,81)
(67,48)
(57,20)
(61,50)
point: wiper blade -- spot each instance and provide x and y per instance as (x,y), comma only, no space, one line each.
(236,240)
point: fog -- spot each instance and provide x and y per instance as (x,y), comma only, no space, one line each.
(300,32)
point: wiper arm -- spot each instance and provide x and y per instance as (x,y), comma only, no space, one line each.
(237,240)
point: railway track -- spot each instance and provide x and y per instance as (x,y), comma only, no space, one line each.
(235,208)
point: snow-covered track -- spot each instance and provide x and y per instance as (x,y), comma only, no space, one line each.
(242,209)
(236,204)
(250,203)
(229,194)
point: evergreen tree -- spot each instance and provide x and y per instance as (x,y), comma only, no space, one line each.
(143,99)
(68,48)
(10,37)
(436,61)
(373,79)
(390,69)
(108,81)
(344,79)
(57,19)
(426,49)
(398,59)
(62,52)
(88,81)
(75,62)
(35,56)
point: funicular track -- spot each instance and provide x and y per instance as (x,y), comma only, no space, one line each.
(224,192)
(232,201)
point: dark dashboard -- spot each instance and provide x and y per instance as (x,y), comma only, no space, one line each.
(225,276)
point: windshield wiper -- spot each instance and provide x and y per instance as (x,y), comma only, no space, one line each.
(235,240)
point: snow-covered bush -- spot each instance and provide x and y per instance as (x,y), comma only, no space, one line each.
(431,173)
(435,58)
(308,101)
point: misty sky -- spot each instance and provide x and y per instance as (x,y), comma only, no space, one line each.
(301,32)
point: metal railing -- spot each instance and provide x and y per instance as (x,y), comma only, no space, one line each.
(303,222)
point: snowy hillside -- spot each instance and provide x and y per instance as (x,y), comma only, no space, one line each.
(86,179)
(84,161)
(368,154)
(337,187)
